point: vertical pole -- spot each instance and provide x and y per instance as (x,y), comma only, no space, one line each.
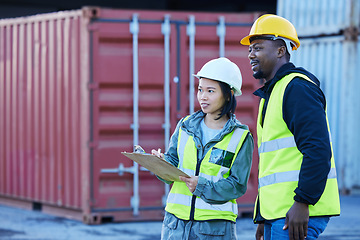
(165,30)
(221,31)
(190,31)
(134,29)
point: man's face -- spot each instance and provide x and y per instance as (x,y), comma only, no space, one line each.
(263,56)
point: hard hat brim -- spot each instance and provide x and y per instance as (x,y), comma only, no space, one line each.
(237,92)
(245,41)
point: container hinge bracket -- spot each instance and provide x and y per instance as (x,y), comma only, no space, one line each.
(134,25)
(351,33)
(91,12)
(166,126)
(135,201)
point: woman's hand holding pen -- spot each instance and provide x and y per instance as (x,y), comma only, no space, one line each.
(191,182)
(157,153)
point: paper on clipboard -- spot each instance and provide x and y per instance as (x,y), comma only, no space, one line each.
(157,165)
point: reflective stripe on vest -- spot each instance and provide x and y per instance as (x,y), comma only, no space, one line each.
(280,162)
(288,176)
(277,144)
(201,204)
(179,201)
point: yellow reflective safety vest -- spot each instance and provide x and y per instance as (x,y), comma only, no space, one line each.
(280,163)
(181,202)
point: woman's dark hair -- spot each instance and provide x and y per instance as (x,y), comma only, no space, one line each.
(230,100)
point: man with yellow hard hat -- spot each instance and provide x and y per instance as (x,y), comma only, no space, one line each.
(297,191)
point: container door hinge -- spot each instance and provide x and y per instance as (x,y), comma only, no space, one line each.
(91,12)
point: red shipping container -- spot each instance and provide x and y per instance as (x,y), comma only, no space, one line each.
(79,87)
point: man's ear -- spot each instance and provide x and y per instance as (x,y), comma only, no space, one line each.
(281,51)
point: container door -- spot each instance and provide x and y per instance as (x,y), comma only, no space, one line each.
(132,65)
(113,126)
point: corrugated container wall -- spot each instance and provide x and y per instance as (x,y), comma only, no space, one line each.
(79,87)
(330,48)
(44,109)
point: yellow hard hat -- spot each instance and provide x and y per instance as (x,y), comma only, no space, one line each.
(270,24)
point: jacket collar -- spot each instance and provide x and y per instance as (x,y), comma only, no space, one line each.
(284,70)
(192,124)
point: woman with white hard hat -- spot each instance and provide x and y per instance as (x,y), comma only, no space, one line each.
(215,150)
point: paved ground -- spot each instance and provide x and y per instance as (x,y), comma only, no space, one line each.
(24,224)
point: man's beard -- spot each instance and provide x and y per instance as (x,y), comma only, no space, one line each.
(258,75)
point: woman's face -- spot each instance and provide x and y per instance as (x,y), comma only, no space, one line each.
(210,97)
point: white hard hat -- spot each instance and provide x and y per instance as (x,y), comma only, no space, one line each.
(223,70)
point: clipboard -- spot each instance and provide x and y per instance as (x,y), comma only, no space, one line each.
(157,165)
